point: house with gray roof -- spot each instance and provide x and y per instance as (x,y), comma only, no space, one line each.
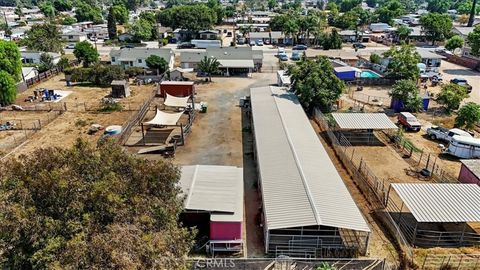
(136,57)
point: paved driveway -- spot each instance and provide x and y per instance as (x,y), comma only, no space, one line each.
(450,71)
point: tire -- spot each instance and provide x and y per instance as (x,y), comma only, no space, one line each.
(433,137)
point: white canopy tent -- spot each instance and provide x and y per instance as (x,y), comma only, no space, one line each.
(172,101)
(164,119)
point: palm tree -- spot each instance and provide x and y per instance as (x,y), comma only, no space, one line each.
(209,66)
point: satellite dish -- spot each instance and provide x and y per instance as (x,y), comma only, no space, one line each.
(458,51)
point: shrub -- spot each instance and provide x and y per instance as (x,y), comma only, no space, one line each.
(134,71)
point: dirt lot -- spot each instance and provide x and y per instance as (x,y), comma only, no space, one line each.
(72,124)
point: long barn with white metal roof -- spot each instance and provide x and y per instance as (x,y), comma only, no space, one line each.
(307,209)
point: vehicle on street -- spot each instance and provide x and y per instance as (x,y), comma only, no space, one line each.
(283,57)
(127,47)
(300,47)
(296,55)
(70,46)
(252,43)
(464,147)
(358,45)
(267,42)
(462,82)
(259,42)
(445,134)
(281,50)
(241,41)
(409,121)
(185,45)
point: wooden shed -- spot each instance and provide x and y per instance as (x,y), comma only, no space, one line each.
(120,89)
(177,88)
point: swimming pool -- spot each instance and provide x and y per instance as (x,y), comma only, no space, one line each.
(369,74)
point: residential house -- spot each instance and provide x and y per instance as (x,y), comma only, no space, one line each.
(352,35)
(29,72)
(136,57)
(98,31)
(233,60)
(82,25)
(33,57)
(463,32)
(208,34)
(73,36)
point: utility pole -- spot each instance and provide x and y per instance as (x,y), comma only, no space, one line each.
(472,14)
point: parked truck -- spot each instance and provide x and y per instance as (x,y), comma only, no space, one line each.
(409,121)
(445,134)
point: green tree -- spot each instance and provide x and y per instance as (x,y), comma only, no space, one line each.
(474,41)
(451,95)
(121,13)
(406,91)
(402,63)
(85,12)
(346,5)
(43,38)
(47,9)
(272,4)
(91,208)
(142,29)
(10,59)
(85,53)
(372,3)
(454,42)
(468,116)
(8,89)
(389,11)
(209,66)
(63,5)
(436,26)
(157,63)
(403,32)
(439,6)
(46,62)
(192,18)
(315,83)
(63,63)
(375,58)
(466,7)
(111,24)
(68,20)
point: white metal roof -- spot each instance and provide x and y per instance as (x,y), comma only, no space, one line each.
(441,202)
(216,189)
(363,121)
(300,185)
(236,63)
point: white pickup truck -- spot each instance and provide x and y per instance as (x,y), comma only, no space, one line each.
(444,134)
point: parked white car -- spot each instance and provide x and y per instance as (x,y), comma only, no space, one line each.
(444,134)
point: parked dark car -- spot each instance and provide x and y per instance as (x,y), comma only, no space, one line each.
(300,47)
(462,82)
(358,45)
(185,45)
(127,47)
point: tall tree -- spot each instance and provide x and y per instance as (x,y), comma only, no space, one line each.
(438,6)
(468,116)
(85,53)
(91,208)
(474,40)
(142,29)
(121,13)
(451,95)
(209,66)
(389,11)
(43,38)
(157,63)
(402,62)
(272,4)
(471,19)
(315,83)
(10,59)
(86,12)
(63,5)
(403,32)
(47,9)
(406,91)
(8,89)
(192,18)
(111,24)
(436,26)
(454,42)
(46,62)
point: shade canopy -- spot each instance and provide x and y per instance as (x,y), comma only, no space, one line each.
(377,121)
(164,119)
(173,101)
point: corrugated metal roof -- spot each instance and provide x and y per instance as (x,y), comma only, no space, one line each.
(441,202)
(216,189)
(237,63)
(473,165)
(363,121)
(300,185)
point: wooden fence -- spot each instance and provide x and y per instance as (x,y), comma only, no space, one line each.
(47,74)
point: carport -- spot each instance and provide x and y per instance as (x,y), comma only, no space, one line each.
(232,67)
(436,215)
(358,128)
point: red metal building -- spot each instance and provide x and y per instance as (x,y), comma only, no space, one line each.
(470,171)
(177,88)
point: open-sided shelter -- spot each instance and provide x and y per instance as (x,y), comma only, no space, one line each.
(307,209)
